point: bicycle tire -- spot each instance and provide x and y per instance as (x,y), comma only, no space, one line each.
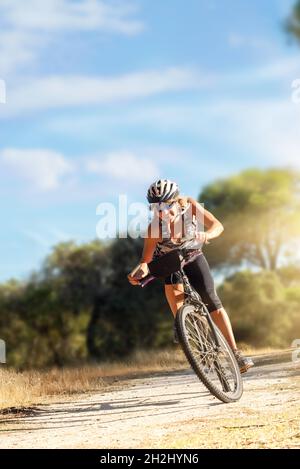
(218,393)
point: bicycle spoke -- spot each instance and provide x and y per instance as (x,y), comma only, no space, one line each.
(215,363)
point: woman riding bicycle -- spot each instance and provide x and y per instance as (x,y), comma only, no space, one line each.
(175,225)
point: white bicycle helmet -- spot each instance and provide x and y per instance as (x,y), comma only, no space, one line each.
(162,190)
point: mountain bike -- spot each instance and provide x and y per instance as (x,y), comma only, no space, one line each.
(203,344)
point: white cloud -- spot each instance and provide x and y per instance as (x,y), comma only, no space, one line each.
(17,48)
(70,91)
(61,236)
(49,237)
(267,128)
(125,166)
(237,40)
(47,171)
(2,92)
(51,92)
(27,27)
(43,169)
(270,128)
(64,91)
(37,238)
(283,68)
(103,15)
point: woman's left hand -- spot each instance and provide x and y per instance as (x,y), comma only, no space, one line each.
(139,272)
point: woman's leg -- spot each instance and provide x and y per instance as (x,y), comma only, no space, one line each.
(175,296)
(201,279)
(221,319)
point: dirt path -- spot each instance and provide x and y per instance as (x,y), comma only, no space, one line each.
(169,411)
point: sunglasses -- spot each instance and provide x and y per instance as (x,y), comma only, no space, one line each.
(162,206)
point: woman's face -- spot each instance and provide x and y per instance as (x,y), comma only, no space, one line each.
(167,211)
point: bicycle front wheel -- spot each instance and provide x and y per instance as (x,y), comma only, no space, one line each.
(215,365)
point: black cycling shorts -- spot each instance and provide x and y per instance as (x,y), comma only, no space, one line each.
(199,275)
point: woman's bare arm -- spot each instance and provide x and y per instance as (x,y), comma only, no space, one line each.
(149,246)
(213,225)
(141,270)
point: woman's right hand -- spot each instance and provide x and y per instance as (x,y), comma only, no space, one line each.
(139,272)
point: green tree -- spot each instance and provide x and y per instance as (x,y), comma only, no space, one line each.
(292,24)
(127,317)
(81,274)
(260,213)
(37,327)
(13,327)
(80,306)
(44,320)
(263,309)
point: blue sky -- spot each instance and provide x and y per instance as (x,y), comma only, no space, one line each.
(105,96)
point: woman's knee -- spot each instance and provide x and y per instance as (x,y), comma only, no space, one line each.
(175,296)
(213,302)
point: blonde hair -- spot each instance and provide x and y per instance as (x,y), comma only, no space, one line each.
(181,199)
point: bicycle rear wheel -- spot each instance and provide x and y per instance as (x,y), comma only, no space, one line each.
(215,366)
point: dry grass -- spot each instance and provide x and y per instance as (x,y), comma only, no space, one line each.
(29,388)
(250,350)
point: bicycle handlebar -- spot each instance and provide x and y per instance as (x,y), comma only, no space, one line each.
(144,281)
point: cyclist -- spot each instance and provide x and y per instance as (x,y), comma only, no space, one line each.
(177,219)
